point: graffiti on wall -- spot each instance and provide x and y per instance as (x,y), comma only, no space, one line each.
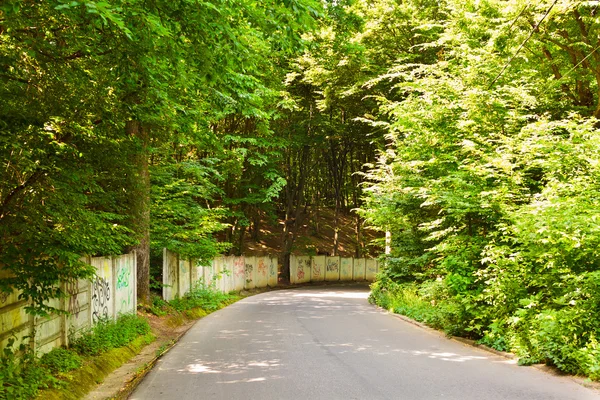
(100,299)
(303,268)
(300,271)
(72,289)
(332,266)
(316,270)
(238,267)
(262,268)
(123,278)
(248,272)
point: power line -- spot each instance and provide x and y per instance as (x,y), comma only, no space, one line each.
(580,62)
(576,65)
(535,28)
(517,17)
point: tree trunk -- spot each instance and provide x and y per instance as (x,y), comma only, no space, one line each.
(140,210)
(256,226)
(357,231)
(336,228)
(295,198)
(241,237)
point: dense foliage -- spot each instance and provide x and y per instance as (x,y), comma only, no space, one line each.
(208,298)
(113,112)
(490,177)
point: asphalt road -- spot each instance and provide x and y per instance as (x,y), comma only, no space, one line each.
(329,343)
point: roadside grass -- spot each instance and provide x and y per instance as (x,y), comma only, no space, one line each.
(414,302)
(197,303)
(23,375)
(558,337)
(69,373)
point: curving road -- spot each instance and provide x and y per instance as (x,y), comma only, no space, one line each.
(329,343)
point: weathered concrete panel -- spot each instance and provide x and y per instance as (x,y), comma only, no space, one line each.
(48,346)
(303,269)
(231,267)
(250,272)
(317,273)
(332,269)
(239,273)
(8,298)
(79,320)
(195,273)
(125,301)
(217,270)
(231,273)
(48,333)
(273,272)
(220,273)
(184,277)
(371,269)
(77,304)
(359,269)
(228,273)
(208,273)
(262,272)
(13,318)
(293,269)
(102,295)
(346,269)
(20,333)
(170,267)
(112,290)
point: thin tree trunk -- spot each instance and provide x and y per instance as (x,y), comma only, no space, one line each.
(140,210)
(294,207)
(241,237)
(336,227)
(256,226)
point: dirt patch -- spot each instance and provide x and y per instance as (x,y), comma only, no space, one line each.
(315,236)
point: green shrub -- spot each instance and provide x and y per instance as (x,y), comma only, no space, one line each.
(429,302)
(60,360)
(159,307)
(202,296)
(108,335)
(560,330)
(496,337)
(21,377)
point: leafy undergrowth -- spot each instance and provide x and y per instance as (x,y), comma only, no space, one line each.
(561,336)
(22,377)
(110,335)
(420,304)
(198,302)
(69,373)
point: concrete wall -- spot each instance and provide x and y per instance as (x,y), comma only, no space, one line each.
(110,293)
(332,269)
(300,269)
(230,273)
